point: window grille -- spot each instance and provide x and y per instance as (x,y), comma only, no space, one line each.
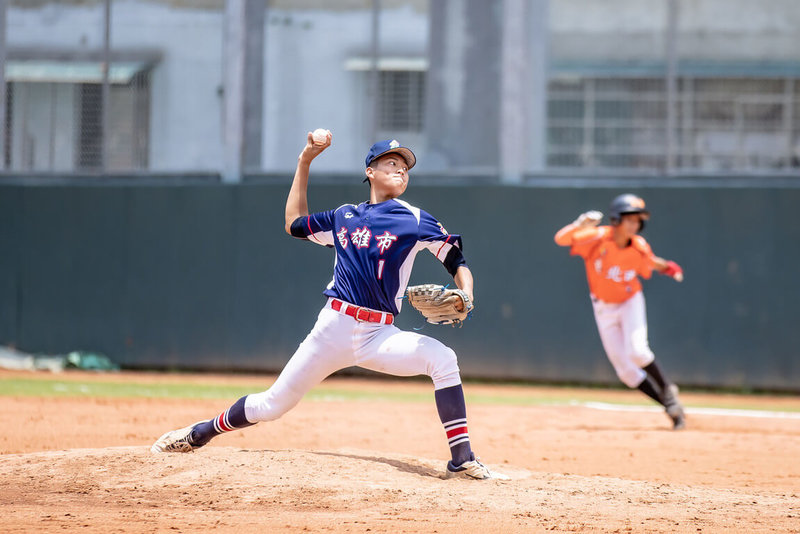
(58,126)
(401,100)
(723,124)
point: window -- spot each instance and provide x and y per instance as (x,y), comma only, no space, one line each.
(401,92)
(401,100)
(55,118)
(721,124)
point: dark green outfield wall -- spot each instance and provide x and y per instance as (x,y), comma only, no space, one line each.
(203,276)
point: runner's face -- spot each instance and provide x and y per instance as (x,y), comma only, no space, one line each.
(389,176)
(630,223)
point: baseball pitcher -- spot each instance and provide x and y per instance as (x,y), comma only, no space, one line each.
(375,244)
(615,257)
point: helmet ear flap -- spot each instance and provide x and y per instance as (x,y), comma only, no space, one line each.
(644,216)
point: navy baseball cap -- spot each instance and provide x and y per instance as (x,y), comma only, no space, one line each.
(381,148)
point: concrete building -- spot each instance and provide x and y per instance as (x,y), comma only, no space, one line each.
(503,88)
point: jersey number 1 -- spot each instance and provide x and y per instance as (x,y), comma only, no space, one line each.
(380,269)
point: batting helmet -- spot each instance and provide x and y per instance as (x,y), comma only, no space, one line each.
(627,203)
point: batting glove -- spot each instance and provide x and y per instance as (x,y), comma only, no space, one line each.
(590,218)
(673,270)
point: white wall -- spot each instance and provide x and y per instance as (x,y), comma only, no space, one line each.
(185,118)
(307,86)
(708,29)
(185,105)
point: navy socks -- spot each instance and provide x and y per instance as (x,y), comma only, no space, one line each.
(453,415)
(231,419)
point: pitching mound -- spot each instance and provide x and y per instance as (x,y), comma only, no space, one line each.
(129,489)
(369,456)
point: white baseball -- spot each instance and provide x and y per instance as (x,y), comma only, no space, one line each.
(320,136)
(678,277)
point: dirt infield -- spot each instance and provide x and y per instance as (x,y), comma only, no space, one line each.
(333,465)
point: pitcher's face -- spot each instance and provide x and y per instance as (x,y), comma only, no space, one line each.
(388,176)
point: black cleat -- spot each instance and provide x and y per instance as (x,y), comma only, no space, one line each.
(673,407)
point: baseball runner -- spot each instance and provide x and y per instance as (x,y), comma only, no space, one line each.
(375,244)
(615,257)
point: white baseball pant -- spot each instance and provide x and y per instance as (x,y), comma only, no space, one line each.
(338,341)
(623,331)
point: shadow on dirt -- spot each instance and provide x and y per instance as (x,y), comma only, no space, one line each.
(406,467)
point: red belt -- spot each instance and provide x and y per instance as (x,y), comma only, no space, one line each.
(362,314)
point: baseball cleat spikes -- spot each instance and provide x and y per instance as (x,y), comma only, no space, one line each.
(176,441)
(472,470)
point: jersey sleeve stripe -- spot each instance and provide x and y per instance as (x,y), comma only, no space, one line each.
(310,232)
(443,244)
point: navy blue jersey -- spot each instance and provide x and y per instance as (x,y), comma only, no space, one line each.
(375,249)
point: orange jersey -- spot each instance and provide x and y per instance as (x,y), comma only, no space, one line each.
(613,272)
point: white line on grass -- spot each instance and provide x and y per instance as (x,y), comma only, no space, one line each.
(698,411)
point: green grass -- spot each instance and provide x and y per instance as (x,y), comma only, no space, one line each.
(69,388)
(28,387)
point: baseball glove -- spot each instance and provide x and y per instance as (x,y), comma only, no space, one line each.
(439,304)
